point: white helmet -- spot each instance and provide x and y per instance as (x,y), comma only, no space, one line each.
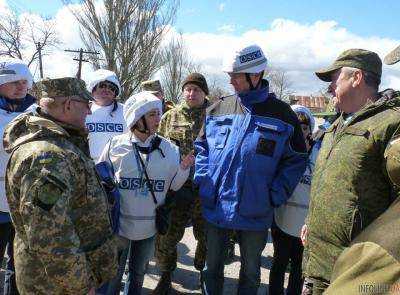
(102,75)
(250,59)
(12,69)
(138,105)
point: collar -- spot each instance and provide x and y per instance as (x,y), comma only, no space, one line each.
(21,104)
(248,98)
(146,143)
(185,107)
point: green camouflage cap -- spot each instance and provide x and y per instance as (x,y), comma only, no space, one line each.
(393,56)
(355,58)
(153,86)
(63,87)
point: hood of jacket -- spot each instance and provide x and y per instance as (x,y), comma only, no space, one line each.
(34,126)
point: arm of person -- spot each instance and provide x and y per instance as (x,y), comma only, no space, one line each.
(372,259)
(46,190)
(291,166)
(182,172)
(104,157)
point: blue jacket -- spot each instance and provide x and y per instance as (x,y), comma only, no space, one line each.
(250,156)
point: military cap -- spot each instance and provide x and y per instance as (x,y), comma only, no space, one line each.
(393,56)
(63,87)
(153,86)
(355,58)
(196,79)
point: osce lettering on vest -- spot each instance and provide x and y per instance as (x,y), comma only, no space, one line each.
(250,56)
(137,183)
(105,127)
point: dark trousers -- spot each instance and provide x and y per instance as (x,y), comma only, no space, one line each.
(286,248)
(7,234)
(251,244)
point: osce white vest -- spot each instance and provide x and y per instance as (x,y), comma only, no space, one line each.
(137,210)
(102,126)
(291,216)
(5,118)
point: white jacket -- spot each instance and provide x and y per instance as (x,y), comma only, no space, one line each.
(102,126)
(290,217)
(137,210)
(5,118)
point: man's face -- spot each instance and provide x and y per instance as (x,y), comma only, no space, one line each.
(193,95)
(152,118)
(342,90)
(76,112)
(14,90)
(104,93)
(240,83)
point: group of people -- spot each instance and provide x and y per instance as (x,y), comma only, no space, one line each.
(244,165)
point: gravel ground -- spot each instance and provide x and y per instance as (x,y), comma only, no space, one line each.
(186,277)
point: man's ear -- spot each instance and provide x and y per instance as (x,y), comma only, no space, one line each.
(67,105)
(357,77)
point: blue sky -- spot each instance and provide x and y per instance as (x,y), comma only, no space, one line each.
(298,37)
(364,18)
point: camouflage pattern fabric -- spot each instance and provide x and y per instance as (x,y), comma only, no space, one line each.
(62,87)
(168,105)
(151,85)
(181,214)
(181,125)
(63,242)
(350,187)
(372,264)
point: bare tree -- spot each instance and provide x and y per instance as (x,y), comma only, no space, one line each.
(280,83)
(216,89)
(176,66)
(19,35)
(128,34)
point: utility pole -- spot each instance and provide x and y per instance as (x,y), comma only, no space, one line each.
(80,59)
(39,49)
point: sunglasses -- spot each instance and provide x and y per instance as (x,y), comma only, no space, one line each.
(110,86)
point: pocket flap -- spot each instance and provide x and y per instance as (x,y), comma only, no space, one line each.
(270,127)
(226,121)
(357,131)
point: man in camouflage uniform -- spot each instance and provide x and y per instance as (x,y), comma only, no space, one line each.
(64,242)
(350,188)
(154,86)
(372,263)
(181,125)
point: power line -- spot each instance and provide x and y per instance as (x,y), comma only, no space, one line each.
(80,59)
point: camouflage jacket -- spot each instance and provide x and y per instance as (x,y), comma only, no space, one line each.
(63,242)
(350,188)
(372,264)
(182,125)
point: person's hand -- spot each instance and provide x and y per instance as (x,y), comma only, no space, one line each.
(304,234)
(187,161)
(92,291)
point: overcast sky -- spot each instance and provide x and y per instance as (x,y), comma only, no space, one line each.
(297,36)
